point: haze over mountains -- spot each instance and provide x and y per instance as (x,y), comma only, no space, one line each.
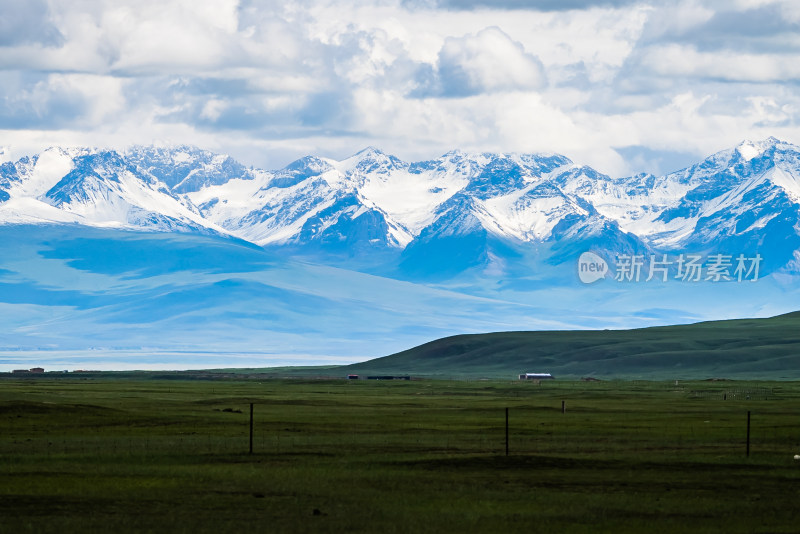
(437,235)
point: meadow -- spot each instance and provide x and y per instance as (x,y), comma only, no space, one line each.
(158,455)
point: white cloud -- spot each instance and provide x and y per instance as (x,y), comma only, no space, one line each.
(269,81)
(213,109)
(677,18)
(487,62)
(685,61)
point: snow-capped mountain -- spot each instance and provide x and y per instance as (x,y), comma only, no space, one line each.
(96,188)
(746,198)
(310,202)
(459,211)
(23,182)
(676,209)
(323,200)
(106,188)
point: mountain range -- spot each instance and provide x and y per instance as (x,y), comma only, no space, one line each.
(110,249)
(377,213)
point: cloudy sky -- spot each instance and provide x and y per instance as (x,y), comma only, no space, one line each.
(621,85)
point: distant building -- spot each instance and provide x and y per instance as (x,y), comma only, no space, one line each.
(536,376)
(388,377)
(27,371)
(352,377)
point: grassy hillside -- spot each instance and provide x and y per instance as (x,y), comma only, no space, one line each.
(745,348)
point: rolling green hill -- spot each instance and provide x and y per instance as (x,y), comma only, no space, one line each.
(736,349)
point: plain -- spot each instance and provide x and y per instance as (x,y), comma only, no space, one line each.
(156,455)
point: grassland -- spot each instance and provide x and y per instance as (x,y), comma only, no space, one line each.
(132,455)
(765,349)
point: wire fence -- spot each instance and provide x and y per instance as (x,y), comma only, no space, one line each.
(533,429)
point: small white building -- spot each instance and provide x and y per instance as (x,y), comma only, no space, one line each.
(536,376)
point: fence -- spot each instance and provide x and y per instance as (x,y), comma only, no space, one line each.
(574,428)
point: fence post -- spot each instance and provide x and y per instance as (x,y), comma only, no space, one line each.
(251,428)
(506,431)
(748,434)
(563,406)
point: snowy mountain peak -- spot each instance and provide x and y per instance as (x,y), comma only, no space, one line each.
(749,150)
(764,145)
(186,168)
(370,152)
(300,170)
(369,160)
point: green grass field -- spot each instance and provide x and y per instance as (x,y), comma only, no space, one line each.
(129,455)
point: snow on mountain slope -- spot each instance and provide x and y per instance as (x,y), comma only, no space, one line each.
(106,190)
(729,192)
(274,209)
(411,195)
(633,202)
(510,194)
(185,168)
(699,205)
(311,201)
(786,181)
(530,213)
(314,200)
(27,210)
(22,182)
(32,176)
(509,214)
